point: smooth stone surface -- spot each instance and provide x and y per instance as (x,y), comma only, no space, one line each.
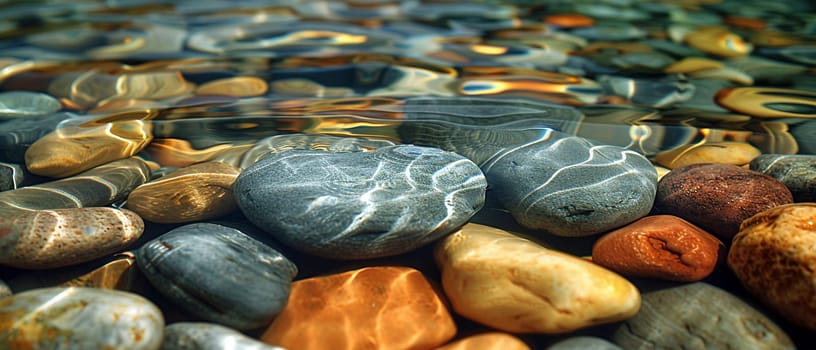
(487,341)
(244,86)
(797,172)
(15,104)
(287,142)
(79,318)
(736,153)
(569,186)
(11,175)
(74,149)
(195,193)
(717,197)
(768,102)
(4,289)
(369,308)
(17,135)
(363,204)
(660,246)
(515,285)
(718,41)
(774,256)
(117,274)
(584,343)
(208,336)
(45,239)
(219,274)
(699,316)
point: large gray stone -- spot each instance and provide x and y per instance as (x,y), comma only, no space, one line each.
(797,172)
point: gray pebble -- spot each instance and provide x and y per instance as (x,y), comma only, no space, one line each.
(14,104)
(208,336)
(698,316)
(287,142)
(797,172)
(364,204)
(219,274)
(11,175)
(584,343)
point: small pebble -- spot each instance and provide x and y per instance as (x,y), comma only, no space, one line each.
(717,197)
(659,246)
(219,274)
(797,172)
(718,41)
(11,175)
(698,316)
(79,318)
(514,285)
(584,343)
(774,256)
(117,274)
(208,336)
(369,308)
(235,86)
(736,153)
(15,104)
(487,341)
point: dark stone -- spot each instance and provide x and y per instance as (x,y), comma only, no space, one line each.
(797,172)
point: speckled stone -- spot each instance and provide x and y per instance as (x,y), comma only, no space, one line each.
(569,186)
(487,341)
(736,153)
(699,316)
(584,343)
(219,274)
(717,197)
(660,246)
(774,256)
(79,318)
(797,172)
(361,205)
(369,308)
(514,285)
(208,336)
(198,192)
(11,175)
(54,238)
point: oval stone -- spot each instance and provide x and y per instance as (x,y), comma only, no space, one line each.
(208,336)
(774,256)
(195,193)
(15,104)
(659,246)
(514,285)
(584,343)
(369,308)
(797,172)
(361,205)
(79,318)
(487,341)
(699,316)
(45,239)
(717,197)
(570,186)
(245,86)
(736,153)
(287,142)
(219,274)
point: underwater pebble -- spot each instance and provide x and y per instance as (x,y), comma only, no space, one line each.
(208,336)
(736,153)
(15,104)
(487,341)
(584,343)
(797,172)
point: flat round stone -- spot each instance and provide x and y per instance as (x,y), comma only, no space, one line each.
(774,256)
(15,104)
(208,336)
(244,86)
(361,205)
(709,318)
(219,274)
(718,41)
(79,318)
(369,308)
(584,343)
(514,285)
(736,153)
(287,142)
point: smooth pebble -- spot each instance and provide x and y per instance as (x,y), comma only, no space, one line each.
(208,336)
(797,172)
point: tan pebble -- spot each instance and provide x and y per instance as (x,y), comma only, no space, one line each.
(72,150)
(487,341)
(235,86)
(117,274)
(693,64)
(774,256)
(766,102)
(660,246)
(369,308)
(661,171)
(180,153)
(195,193)
(718,41)
(45,239)
(736,153)
(514,285)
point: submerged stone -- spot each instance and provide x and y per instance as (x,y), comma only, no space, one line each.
(208,336)
(15,104)
(797,172)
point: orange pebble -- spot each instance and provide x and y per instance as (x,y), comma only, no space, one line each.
(569,20)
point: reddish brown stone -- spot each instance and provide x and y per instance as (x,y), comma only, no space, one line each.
(660,246)
(717,197)
(369,308)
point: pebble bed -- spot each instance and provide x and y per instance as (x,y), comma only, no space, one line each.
(303,174)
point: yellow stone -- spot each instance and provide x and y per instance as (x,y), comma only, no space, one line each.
(195,193)
(718,41)
(515,285)
(726,152)
(487,341)
(117,274)
(693,64)
(235,86)
(765,102)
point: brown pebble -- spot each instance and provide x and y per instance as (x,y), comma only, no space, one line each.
(487,341)
(737,153)
(774,256)
(660,246)
(717,197)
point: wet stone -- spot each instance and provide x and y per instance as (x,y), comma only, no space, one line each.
(717,197)
(369,308)
(487,341)
(584,343)
(15,104)
(11,175)
(797,172)
(79,318)
(362,204)
(773,257)
(117,274)
(736,153)
(208,336)
(236,86)
(659,246)
(287,142)
(219,274)
(709,318)
(570,186)
(512,284)
(16,135)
